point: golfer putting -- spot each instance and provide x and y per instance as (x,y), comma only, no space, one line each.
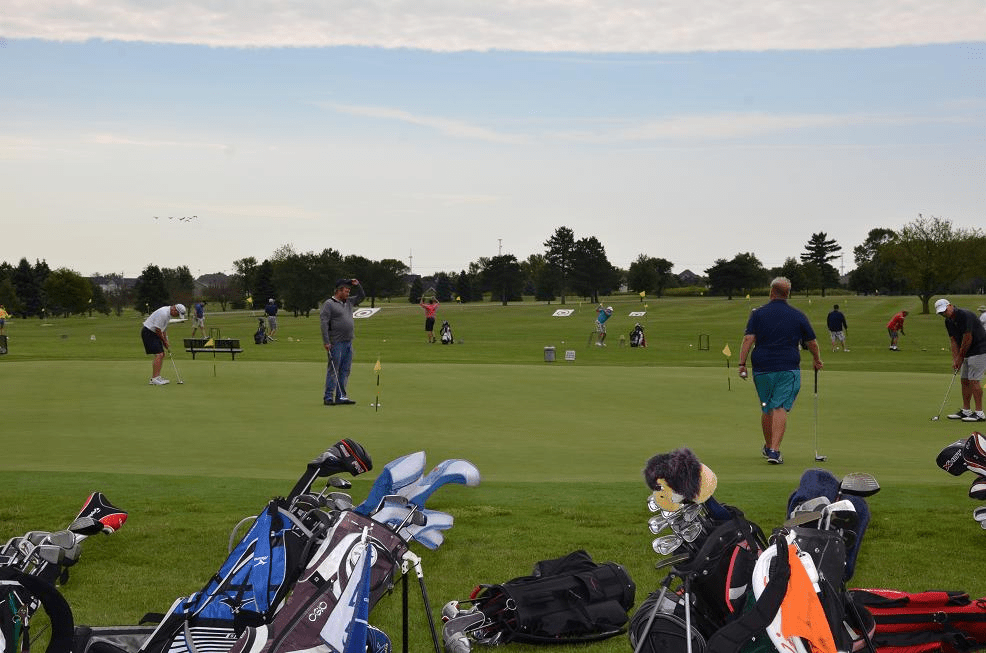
(154,334)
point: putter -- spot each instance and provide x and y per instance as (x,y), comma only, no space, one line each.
(177,374)
(817,457)
(945,400)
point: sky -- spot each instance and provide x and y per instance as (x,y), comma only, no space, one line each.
(437,132)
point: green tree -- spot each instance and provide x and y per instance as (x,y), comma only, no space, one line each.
(874,272)
(100,303)
(180,284)
(819,250)
(443,287)
(379,278)
(8,296)
(649,274)
(150,292)
(743,273)
(415,291)
(503,278)
(28,282)
(464,287)
(592,273)
(795,272)
(932,255)
(246,277)
(559,253)
(68,292)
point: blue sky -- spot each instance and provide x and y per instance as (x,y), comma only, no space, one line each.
(440,132)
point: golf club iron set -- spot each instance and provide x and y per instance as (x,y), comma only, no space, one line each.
(396,500)
(47,556)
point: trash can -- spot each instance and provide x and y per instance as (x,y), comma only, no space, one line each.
(549,354)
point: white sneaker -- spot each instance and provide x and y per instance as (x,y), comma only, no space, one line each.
(157,380)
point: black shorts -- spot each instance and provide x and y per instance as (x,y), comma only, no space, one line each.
(152,341)
(429,324)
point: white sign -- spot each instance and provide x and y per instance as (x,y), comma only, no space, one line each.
(563,312)
(365,312)
(569,354)
(638,313)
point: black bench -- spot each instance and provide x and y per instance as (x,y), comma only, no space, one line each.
(229,346)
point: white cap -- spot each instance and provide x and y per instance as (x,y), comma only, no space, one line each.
(609,309)
(181,310)
(941,305)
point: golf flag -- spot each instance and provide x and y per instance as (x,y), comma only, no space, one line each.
(210,343)
(376,368)
(726,352)
(643,293)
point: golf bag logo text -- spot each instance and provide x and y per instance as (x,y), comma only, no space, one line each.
(317,611)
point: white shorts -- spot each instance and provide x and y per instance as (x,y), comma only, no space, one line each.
(198,322)
(973,367)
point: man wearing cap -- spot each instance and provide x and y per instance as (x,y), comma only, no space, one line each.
(895,328)
(154,334)
(271,311)
(968,340)
(602,314)
(338,331)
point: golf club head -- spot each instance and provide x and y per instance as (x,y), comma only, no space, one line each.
(667,544)
(396,474)
(974,453)
(803,518)
(979,514)
(454,470)
(859,484)
(951,460)
(819,458)
(341,483)
(657,523)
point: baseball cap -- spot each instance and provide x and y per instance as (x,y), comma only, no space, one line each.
(941,305)
(344,282)
(609,309)
(181,310)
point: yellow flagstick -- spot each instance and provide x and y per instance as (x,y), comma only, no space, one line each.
(727,354)
(377,368)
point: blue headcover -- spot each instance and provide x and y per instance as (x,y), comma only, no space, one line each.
(817,482)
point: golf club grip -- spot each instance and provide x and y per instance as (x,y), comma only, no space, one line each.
(816,380)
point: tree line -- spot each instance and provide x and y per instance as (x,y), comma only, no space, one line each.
(926,257)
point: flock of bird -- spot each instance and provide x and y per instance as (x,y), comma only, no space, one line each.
(187,218)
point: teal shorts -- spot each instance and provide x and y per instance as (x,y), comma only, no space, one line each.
(777,389)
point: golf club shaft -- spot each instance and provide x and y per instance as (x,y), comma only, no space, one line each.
(947,392)
(817,457)
(174,365)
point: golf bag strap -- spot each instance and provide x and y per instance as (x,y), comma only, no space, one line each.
(59,612)
(733,635)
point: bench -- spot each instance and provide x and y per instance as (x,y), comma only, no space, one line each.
(229,346)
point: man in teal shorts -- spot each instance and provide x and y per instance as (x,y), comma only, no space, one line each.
(774,332)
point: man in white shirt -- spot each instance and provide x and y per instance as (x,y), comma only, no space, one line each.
(154,334)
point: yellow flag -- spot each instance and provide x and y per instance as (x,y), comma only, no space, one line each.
(747,295)
(726,352)
(209,343)
(376,368)
(643,293)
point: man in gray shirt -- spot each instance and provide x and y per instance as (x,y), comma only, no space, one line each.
(337,335)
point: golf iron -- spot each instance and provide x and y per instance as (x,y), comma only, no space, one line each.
(945,400)
(817,457)
(177,375)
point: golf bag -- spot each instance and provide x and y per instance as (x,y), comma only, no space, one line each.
(925,622)
(566,600)
(260,337)
(716,578)
(968,454)
(446,333)
(637,338)
(351,570)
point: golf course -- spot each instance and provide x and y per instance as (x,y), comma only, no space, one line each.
(560,444)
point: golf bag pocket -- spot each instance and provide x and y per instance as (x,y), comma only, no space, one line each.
(659,625)
(925,622)
(567,599)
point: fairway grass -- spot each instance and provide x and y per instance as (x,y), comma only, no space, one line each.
(560,445)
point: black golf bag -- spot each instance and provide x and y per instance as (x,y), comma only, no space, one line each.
(260,337)
(446,333)
(566,600)
(637,338)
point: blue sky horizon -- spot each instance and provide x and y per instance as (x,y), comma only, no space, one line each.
(439,138)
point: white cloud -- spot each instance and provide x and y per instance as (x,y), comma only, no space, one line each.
(517,25)
(447,126)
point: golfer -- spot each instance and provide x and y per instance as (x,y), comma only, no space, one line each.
(198,319)
(3,320)
(773,332)
(337,336)
(271,312)
(894,327)
(968,340)
(838,327)
(154,334)
(602,314)
(430,309)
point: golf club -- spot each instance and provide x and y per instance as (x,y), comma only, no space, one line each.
(177,374)
(453,470)
(945,400)
(415,561)
(817,457)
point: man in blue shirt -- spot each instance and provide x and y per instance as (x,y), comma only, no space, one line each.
(602,314)
(774,333)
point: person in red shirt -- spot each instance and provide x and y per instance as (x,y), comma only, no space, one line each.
(894,327)
(430,308)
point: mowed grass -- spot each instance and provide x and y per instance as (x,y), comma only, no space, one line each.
(560,445)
